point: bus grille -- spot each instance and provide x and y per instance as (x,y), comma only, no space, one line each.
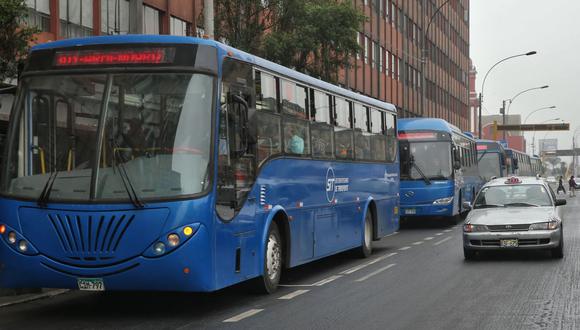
(86,235)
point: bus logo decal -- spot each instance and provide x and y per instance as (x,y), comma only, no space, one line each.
(330,179)
(410,193)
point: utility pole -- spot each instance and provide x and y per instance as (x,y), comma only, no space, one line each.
(208,18)
(479,129)
(502,111)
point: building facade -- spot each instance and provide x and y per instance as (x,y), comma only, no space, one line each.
(394,66)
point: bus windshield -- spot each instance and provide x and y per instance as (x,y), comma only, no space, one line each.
(489,165)
(432,159)
(101,134)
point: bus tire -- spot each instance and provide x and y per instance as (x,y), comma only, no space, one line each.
(366,248)
(273,261)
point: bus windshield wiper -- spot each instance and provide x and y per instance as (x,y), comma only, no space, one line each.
(425,178)
(133,197)
(45,194)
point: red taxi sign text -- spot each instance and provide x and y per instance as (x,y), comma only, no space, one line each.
(96,57)
(513,180)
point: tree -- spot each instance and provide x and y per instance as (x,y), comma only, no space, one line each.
(15,38)
(316,37)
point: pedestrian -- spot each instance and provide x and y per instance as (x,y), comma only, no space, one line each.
(560,186)
(572,186)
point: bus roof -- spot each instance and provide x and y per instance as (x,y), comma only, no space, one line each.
(434,124)
(224,50)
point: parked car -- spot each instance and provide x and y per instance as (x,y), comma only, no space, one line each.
(516,213)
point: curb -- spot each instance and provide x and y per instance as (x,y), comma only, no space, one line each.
(35,297)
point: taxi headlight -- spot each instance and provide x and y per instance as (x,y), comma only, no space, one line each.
(469,228)
(443,201)
(551,225)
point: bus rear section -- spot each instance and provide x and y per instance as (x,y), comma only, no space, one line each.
(438,169)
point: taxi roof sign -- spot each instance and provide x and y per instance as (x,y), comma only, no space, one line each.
(513,180)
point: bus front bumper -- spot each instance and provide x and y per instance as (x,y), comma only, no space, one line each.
(421,210)
(187,268)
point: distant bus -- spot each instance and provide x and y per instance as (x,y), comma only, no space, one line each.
(182,164)
(520,163)
(537,166)
(438,168)
(492,160)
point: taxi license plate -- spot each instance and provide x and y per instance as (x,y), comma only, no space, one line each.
(507,243)
(410,211)
(91,284)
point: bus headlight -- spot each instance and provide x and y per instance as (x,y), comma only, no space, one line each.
(22,246)
(171,240)
(159,248)
(17,241)
(443,201)
(12,237)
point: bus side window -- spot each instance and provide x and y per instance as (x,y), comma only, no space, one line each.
(268,124)
(236,138)
(343,137)
(391,133)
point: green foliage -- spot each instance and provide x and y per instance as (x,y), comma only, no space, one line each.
(14,37)
(316,37)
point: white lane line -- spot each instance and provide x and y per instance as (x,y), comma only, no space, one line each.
(428,238)
(393,234)
(443,241)
(418,243)
(447,231)
(293,294)
(243,315)
(378,271)
(359,267)
(327,280)
(404,248)
(438,234)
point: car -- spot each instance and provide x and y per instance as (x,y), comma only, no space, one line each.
(514,213)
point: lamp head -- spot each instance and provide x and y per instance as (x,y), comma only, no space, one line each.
(531,53)
(545,86)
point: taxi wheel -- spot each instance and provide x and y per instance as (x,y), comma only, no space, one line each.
(468,254)
(558,252)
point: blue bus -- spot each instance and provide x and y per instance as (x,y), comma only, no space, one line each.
(438,168)
(520,163)
(492,160)
(181,164)
(537,166)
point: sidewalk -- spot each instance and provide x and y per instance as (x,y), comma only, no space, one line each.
(19,296)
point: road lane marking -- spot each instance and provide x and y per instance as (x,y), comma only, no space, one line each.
(404,248)
(418,243)
(327,280)
(443,241)
(359,267)
(438,234)
(378,271)
(243,315)
(393,234)
(293,294)
(428,238)
(447,231)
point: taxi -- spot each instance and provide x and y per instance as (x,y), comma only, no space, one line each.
(515,213)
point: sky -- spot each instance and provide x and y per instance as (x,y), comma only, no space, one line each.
(501,28)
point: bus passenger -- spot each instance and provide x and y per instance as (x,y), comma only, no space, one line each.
(294,143)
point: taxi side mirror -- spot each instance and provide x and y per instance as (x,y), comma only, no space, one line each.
(560,202)
(467,206)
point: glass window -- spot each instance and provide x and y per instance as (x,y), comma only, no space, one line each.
(150,20)
(343,136)
(391,132)
(114,16)
(362,137)
(321,128)
(266,98)
(321,107)
(293,99)
(178,27)
(296,136)
(529,195)
(76,18)
(360,117)
(268,131)
(39,14)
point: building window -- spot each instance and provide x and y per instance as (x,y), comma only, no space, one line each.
(179,27)
(114,16)
(76,18)
(39,14)
(375,48)
(150,20)
(367,42)
(381,56)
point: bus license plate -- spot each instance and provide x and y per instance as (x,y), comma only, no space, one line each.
(410,211)
(91,284)
(507,243)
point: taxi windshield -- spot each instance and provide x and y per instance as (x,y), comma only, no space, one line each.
(531,195)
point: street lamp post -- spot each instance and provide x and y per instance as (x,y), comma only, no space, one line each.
(540,109)
(506,112)
(485,77)
(424,56)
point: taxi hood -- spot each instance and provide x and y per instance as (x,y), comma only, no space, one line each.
(510,215)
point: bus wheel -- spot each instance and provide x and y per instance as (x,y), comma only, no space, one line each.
(367,248)
(273,260)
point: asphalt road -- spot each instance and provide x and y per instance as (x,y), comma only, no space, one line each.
(416,279)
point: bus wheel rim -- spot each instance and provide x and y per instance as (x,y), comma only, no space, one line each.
(368,230)
(273,257)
